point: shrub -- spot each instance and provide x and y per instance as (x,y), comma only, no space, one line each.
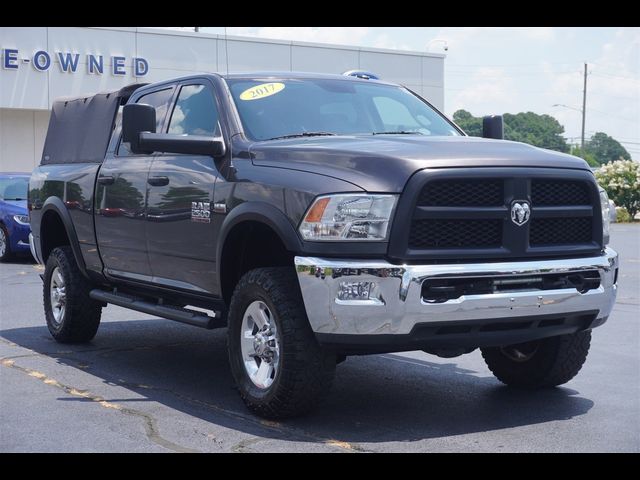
(622,216)
(621,180)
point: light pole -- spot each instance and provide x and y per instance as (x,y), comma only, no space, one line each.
(584,103)
(583,110)
(445,46)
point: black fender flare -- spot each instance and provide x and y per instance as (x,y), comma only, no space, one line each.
(57,205)
(264,213)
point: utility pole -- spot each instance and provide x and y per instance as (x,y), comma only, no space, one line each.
(584,106)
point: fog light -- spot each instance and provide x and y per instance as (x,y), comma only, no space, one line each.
(355,290)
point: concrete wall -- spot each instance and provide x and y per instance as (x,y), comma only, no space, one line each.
(22,135)
(26,94)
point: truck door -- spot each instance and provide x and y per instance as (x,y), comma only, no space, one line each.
(121,197)
(180,233)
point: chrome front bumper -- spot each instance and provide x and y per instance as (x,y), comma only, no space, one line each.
(32,247)
(396,305)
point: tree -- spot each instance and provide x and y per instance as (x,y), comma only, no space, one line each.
(467,122)
(621,180)
(540,130)
(181,197)
(585,155)
(605,148)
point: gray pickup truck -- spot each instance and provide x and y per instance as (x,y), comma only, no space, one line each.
(317,217)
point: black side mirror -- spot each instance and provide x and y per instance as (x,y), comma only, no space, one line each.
(137,118)
(493,127)
(187,144)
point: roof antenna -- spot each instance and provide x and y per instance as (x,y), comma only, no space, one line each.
(226,49)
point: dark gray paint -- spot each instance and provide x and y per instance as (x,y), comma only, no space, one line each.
(384,163)
(120,212)
(145,232)
(181,251)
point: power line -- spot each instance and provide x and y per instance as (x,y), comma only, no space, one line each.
(616,76)
(514,65)
(609,65)
(548,92)
(613,116)
(499,75)
(617,96)
(632,140)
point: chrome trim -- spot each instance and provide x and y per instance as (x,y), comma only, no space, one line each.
(16,218)
(397,304)
(32,247)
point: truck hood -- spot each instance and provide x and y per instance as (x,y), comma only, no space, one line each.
(384,163)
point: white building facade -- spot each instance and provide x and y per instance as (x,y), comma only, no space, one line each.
(40,64)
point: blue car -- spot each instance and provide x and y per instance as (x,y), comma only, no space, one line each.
(14,216)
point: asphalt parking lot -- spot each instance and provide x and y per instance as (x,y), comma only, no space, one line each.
(151,385)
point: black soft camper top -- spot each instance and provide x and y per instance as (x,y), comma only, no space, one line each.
(80,127)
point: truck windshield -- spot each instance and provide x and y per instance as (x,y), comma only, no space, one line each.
(276,108)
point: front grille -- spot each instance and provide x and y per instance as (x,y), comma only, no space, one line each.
(439,290)
(456,233)
(559,231)
(462,193)
(559,192)
(455,215)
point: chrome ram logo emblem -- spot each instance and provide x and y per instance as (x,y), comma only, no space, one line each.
(520,212)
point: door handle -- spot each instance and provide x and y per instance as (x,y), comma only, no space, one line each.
(158,181)
(106,180)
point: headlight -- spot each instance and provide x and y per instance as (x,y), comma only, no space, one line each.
(358,217)
(605,206)
(21,219)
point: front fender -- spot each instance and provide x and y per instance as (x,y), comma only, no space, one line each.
(263,213)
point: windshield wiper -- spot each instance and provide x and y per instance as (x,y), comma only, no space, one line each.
(15,199)
(303,134)
(398,132)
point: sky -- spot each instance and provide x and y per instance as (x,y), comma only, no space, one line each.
(492,70)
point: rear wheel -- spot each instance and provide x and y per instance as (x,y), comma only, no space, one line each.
(5,247)
(541,363)
(278,366)
(72,317)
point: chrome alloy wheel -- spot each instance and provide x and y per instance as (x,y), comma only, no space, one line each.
(3,242)
(57,291)
(260,345)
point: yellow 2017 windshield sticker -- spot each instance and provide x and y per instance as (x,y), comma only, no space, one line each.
(261,91)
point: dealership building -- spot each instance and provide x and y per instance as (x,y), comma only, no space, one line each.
(40,64)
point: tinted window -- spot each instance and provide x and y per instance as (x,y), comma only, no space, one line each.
(276,107)
(195,112)
(13,188)
(158,99)
(395,116)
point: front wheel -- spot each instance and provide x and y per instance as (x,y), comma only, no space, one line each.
(548,362)
(280,369)
(5,246)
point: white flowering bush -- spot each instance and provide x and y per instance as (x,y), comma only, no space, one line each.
(621,180)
